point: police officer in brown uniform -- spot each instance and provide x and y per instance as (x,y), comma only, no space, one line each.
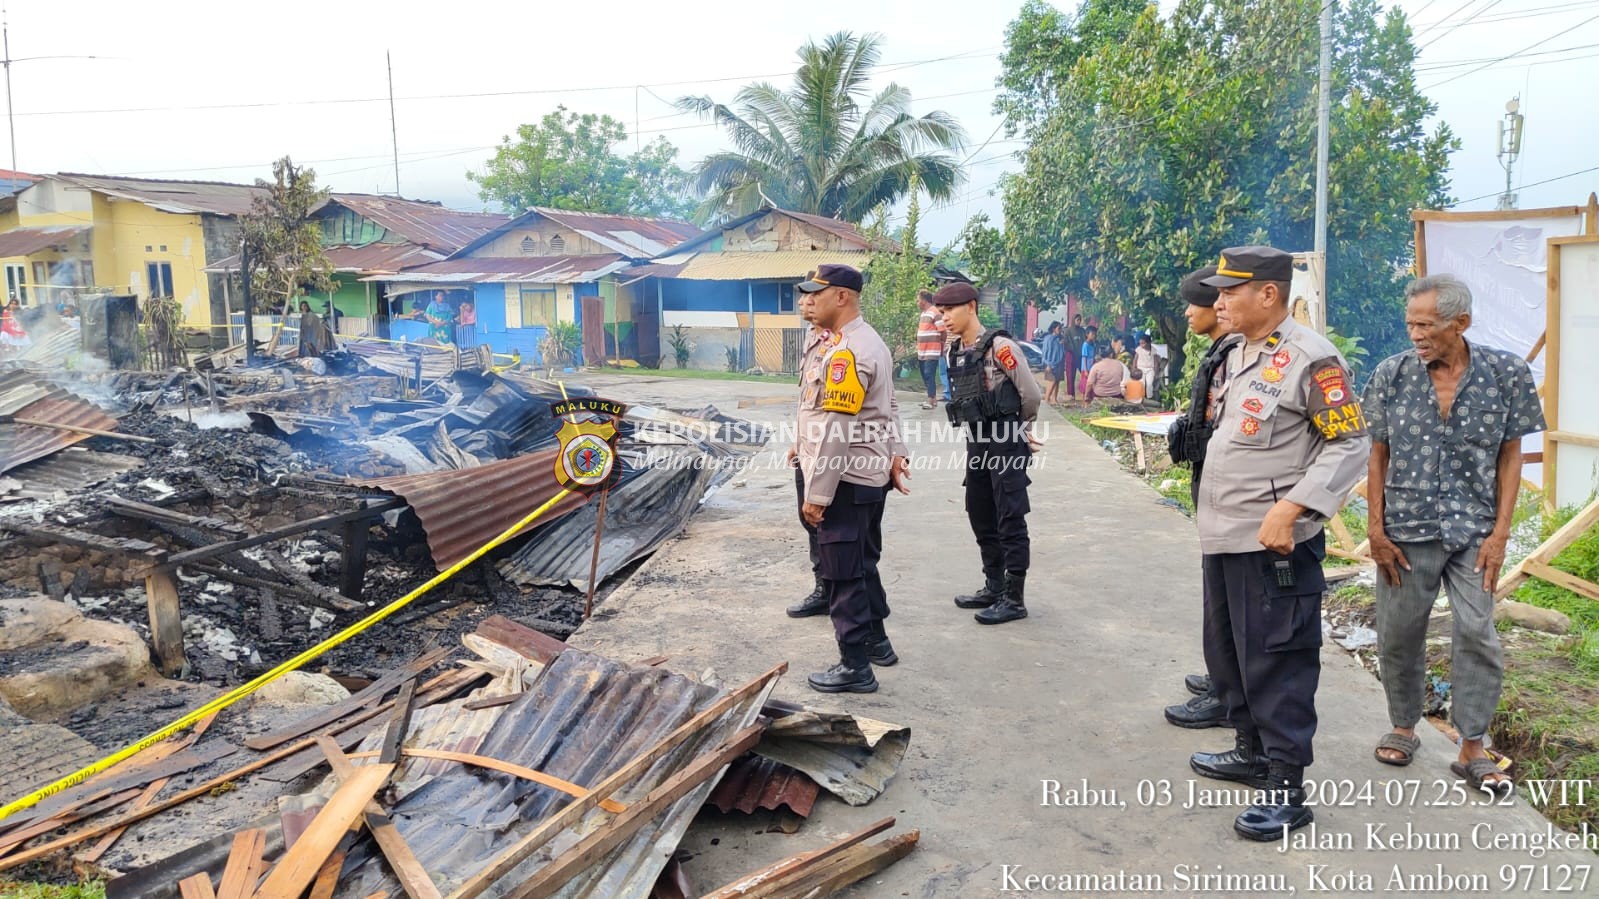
(1288,444)
(816,339)
(996,400)
(850,452)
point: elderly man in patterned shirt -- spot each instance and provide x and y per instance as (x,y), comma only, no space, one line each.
(1446,421)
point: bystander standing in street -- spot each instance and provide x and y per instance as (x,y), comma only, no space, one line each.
(1446,420)
(1087,355)
(929,345)
(1054,350)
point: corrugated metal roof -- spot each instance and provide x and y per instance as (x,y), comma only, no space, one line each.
(751,264)
(214,197)
(533,269)
(753,782)
(69,470)
(50,352)
(585,717)
(633,236)
(425,223)
(840,229)
(25,241)
(369,259)
(462,510)
(23,395)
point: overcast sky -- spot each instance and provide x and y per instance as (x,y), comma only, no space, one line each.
(216,91)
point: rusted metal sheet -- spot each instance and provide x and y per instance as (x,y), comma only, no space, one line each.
(214,197)
(583,718)
(428,224)
(27,241)
(750,265)
(753,782)
(368,259)
(462,510)
(534,269)
(22,395)
(64,472)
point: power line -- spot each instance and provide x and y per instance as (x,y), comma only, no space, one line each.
(268,104)
(1524,186)
(1423,32)
(1461,63)
(1530,46)
(1514,15)
(1466,21)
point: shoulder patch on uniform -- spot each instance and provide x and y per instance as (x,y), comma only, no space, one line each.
(1006,357)
(843,390)
(1332,404)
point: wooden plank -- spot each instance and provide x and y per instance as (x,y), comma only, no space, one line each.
(536,645)
(299,527)
(575,810)
(145,512)
(39,828)
(299,866)
(491,702)
(134,817)
(852,866)
(76,429)
(356,703)
(588,851)
(197,886)
(493,764)
(352,568)
(400,724)
(402,861)
(244,864)
(1571,437)
(166,622)
(436,690)
(1421,247)
(1436,215)
(1544,571)
(782,869)
(327,879)
(150,792)
(1551,380)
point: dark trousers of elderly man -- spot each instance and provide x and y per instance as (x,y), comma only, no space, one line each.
(1443,478)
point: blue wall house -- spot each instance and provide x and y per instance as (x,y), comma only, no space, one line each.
(729,294)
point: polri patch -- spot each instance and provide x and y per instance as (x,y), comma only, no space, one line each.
(1282,359)
(1272,375)
(1250,426)
(1006,358)
(843,391)
(1253,404)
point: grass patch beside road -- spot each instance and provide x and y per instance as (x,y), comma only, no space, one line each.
(10,889)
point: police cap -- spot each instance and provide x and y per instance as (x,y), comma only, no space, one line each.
(830,274)
(1240,265)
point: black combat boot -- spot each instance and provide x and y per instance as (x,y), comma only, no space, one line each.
(815,604)
(993,588)
(1245,763)
(1282,809)
(852,674)
(1204,710)
(878,649)
(1197,684)
(1011,605)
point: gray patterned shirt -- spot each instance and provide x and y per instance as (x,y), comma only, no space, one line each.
(1443,472)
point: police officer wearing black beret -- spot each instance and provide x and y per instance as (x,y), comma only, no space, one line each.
(996,400)
(1186,441)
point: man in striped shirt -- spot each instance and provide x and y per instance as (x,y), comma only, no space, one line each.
(930,331)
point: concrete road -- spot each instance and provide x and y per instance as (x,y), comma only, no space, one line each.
(1073,695)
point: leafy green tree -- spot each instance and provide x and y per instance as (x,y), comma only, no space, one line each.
(1196,132)
(283,239)
(825,146)
(1041,47)
(569,161)
(893,276)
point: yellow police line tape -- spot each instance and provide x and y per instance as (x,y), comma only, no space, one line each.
(238,693)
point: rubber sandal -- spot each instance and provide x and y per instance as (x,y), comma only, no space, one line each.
(1400,743)
(1475,772)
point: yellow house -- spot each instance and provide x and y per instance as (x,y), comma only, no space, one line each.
(140,236)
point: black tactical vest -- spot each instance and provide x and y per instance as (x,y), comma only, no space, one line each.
(974,403)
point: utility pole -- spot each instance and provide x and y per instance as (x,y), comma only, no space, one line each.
(249,307)
(1323,149)
(1509,148)
(394,128)
(11,121)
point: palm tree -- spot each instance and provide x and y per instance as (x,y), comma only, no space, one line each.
(825,146)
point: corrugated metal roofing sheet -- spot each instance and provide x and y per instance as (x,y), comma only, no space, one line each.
(25,241)
(23,395)
(583,718)
(633,236)
(841,229)
(753,782)
(462,510)
(535,269)
(214,197)
(72,469)
(751,264)
(369,259)
(428,224)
